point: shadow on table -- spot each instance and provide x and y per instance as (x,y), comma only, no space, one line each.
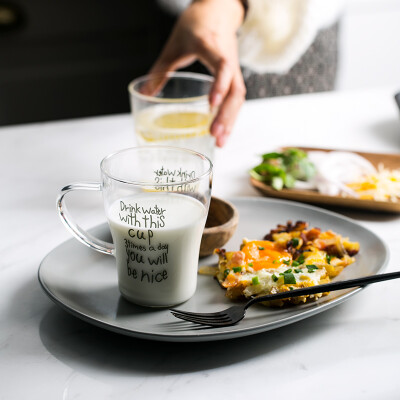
(85,347)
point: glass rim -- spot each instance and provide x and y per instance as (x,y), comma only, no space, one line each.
(153,184)
(169,74)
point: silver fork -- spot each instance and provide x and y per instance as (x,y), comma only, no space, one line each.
(234,314)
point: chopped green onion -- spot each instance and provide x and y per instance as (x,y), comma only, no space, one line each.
(250,264)
(295,263)
(288,271)
(298,271)
(290,287)
(289,278)
(261,248)
(328,258)
(301,259)
(237,269)
(311,268)
(287,262)
(274,277)
(226,272)
(255,280)
(295,241)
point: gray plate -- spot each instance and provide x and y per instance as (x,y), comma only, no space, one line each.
(84,282)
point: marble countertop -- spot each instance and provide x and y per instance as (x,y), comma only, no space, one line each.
(350,351)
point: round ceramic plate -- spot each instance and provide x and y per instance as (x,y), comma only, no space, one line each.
(84,282)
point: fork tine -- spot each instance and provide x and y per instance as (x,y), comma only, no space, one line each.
(189,318)
(209,324)
(214,314)
(203,321)
(200,317)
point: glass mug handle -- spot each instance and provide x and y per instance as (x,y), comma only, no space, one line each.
(83,236)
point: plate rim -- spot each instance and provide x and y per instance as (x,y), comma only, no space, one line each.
(205,336)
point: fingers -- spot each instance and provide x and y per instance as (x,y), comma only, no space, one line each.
(160,72)
(169,60)
(219,66)
(228,91)
(222,82)
(224,120)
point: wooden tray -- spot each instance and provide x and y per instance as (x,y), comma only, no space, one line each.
(390,161)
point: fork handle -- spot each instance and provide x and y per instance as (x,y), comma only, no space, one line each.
(327,287)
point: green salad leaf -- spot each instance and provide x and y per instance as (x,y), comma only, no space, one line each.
(283,169)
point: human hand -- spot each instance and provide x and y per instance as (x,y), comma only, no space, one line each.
(206,31)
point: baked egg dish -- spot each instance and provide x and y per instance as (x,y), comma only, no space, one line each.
(289,257)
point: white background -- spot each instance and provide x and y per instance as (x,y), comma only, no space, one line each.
(369,44)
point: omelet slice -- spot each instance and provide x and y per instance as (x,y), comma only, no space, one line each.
(289,257)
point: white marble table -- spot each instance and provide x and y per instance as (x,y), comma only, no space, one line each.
(349,352)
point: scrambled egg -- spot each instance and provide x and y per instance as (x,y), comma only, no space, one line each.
(289,257)
(384,185)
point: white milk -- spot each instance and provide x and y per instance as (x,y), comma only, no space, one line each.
(157,239)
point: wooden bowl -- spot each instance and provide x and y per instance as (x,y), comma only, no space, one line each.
(221,224)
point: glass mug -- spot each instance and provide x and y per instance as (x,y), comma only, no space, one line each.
(156,200)
(173,109)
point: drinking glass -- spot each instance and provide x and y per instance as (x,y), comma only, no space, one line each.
(156,201)
(173,109)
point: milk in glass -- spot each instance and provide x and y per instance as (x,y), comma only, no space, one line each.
(157,239)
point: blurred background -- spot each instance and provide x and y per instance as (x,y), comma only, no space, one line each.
(74,58)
